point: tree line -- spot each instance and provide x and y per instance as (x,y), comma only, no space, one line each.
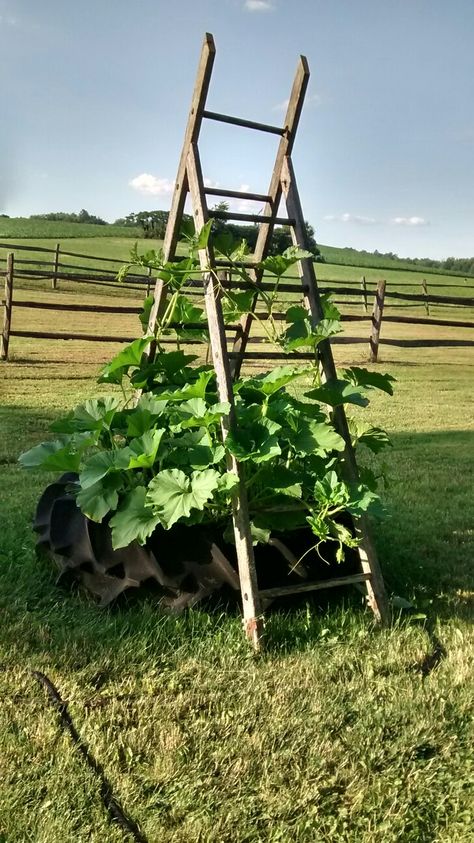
(153,224)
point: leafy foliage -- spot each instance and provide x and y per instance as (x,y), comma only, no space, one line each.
(161,459)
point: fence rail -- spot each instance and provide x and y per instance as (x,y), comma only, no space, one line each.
(357,293)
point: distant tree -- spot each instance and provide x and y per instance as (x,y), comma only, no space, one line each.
(62,216)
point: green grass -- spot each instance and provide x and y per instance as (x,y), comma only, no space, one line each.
(339,732)
(22,227)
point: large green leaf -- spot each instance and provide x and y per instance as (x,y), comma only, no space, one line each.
(278,264)
(131,355)
(97,500)
(312,437)
(203,236)
(52,456)
(143,449)
(101,464)
(95,415)
(143,417)
(373,438)
(196,413)
(134,520)
(194,389)
(235,303)
(301,333)
(331,490)
(270,382)
(279,480)
(362,500)
(336,392)
(173,494)
(257,442)
(376,380)
(144,316)
(199,456)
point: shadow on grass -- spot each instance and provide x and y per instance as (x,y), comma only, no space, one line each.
(425,547)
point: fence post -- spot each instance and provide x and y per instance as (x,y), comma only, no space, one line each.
(54,280)
(424,289)
(148,282)
(364,292)
(377,314)
(7,313)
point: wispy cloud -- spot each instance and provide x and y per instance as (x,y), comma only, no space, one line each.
(410,221)
(259,5)
(146,183)
(8,20)
(355,218)
(311,100)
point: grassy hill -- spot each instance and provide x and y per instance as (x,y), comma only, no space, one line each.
(346,256)
(22,227)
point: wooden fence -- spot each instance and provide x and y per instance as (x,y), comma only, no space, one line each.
(353,293)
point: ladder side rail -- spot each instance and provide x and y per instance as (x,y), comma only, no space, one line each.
(293,113)
(376,593)
(243,539)
(198,103)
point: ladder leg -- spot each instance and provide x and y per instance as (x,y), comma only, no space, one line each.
(243,539)
(376,594)
(293,113)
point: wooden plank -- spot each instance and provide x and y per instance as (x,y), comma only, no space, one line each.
(243,538)
(181,187)
(462,301)
(364,293)
(236,194)
(77,276)
(377,314)
(246,124)
(51,335)
(77,308)
(439,343)
(54,279)
(7,312)
(376,594)
(421,320)
(293,113)
(302,588)
(424,289)
(21,247)
(257,218)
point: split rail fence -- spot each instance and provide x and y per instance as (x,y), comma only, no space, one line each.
(371,302)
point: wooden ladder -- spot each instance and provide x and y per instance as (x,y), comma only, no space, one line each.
(227,364)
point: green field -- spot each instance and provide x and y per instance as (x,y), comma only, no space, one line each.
(340,732)
(22,227)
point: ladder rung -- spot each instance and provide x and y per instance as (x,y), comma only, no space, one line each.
(269,355)
(264,285)
(237,194)
(314,586)
(231,215)
(247,124)
(229,264)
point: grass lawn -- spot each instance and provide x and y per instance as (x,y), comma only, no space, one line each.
(339,732)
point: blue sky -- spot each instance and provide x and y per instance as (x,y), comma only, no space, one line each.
(95,95)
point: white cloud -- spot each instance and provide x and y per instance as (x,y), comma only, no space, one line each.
(146,183)
(8,20)
(311,100)
(281,106)
(210,183)
(356,218)
(259,5)
(409,221)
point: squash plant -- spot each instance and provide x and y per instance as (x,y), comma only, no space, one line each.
(150,462)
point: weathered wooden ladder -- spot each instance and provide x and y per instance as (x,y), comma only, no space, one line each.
(227,364)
